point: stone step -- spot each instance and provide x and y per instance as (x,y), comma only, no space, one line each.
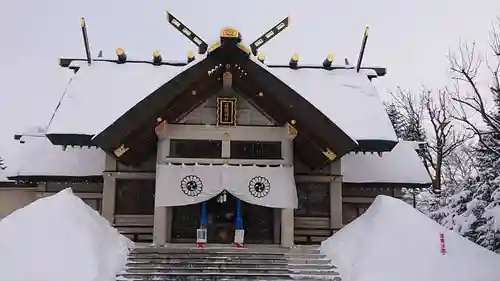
(311,278)
(210,278)
(198,264)
(164,262)
(156,276)
(300,267)
(212,269)
(309,272)
(296,261)
(209,260)
(223,270)
(225,262)
(282,265)
(221,257)
(271,250)
(227,254)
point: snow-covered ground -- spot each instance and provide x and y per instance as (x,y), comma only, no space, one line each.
(394,242)
(60,238)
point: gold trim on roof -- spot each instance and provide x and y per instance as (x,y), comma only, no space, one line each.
(229,33)
(291,130)
(121,150)
(213,47)
(330,154)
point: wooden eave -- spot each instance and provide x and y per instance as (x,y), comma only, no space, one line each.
(45,178)
(385,185)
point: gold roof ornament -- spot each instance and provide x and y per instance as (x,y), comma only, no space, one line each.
(261,57)
(121,150)
(328,61)
(191,57)
(229,32)
(157,57)
(294,61)
(292,131)
(329,154)
(122,56)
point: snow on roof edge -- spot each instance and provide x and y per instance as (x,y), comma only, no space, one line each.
(402,165)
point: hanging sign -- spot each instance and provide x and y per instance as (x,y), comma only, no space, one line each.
(226,111)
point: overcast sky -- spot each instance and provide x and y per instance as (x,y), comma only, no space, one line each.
(410,38)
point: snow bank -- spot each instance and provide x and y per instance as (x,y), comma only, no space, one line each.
(60,238)
(394,242)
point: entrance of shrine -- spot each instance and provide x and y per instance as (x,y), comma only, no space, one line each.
(221,221)
(221,218)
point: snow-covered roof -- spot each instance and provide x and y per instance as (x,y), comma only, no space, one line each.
(39,157)
(99,94)
(346,97)
(392,241)
(401,165)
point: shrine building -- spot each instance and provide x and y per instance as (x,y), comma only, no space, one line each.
(220,147)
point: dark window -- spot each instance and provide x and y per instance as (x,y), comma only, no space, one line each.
(256,150)
(195,148)
(351,211)
(76,187)
(93,203)
(135,197)
(314,200)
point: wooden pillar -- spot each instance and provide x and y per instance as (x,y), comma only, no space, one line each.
(336,196)
(108,198)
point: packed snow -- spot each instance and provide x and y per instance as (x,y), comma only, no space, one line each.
(60,238)
(394,242)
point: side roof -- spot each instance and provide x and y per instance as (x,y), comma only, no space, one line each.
(40,159)
(400,166)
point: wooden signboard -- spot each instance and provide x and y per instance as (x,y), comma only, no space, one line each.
(226,111)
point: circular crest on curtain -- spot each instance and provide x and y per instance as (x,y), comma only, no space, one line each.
(259,186)
(191,185)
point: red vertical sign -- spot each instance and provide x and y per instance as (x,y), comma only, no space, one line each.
(443,247)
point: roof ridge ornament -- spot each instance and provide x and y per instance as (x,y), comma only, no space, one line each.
(268,35)
(184,30)
(86,41)
(363,46)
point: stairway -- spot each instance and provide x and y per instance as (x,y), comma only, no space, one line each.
(223,262)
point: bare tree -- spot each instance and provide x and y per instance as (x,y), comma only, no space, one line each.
(411,108)
(443,137)
(465,66)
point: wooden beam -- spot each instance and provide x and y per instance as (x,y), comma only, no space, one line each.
(142,141)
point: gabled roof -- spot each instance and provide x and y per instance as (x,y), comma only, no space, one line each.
(332,117)
(401,166)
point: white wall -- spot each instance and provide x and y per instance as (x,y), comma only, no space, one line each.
(12,199)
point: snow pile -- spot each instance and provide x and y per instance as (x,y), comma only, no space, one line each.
(60,238)
(394,242)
